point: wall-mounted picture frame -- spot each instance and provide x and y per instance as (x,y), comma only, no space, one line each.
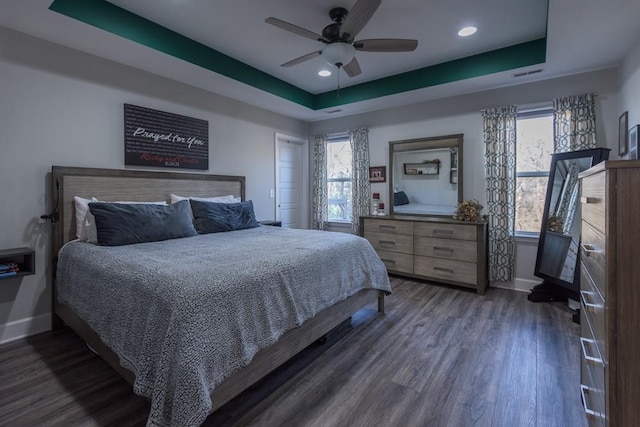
(623,135)
(633,142)
(378,174)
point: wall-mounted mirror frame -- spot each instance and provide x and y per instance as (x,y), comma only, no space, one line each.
(557,260)
(426,191)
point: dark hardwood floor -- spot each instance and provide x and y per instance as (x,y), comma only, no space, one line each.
(440,356)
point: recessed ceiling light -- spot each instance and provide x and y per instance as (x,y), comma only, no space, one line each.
(324,73)
(467,31)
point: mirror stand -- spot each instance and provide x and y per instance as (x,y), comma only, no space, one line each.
(558,257)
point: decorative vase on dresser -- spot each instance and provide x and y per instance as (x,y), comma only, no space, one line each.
(431,248)
(610,293)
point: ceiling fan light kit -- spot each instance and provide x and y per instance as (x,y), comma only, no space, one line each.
(340,37)
(338,54)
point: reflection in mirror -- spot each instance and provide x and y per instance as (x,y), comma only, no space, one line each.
(558,247)
(426,175)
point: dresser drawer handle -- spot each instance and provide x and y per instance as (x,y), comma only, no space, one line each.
(440,248)
(386,242)
(589,306)
(387,227)
(590,412)
(390,261)
(587,200)
(446,270)
(442,231)
(589,249)
(592,360)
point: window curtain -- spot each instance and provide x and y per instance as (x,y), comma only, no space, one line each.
(574,128)
(574,123)
(320,204)
(360,186)
(499,130)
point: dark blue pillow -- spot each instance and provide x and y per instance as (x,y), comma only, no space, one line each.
(211,217)
(400,198)
(123,224)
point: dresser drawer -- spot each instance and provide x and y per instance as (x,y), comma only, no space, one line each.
(390,242)
(396,261)
(388,226)
(459,271)
(592,374)
(593,255)
(445,231)
(461,250)
(593,309)
(592,200)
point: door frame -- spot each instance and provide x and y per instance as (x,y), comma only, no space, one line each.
(304,176)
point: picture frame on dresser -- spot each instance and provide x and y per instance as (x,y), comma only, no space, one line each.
(633,142)
(623,128)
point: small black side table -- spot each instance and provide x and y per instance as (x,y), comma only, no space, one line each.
(272,222)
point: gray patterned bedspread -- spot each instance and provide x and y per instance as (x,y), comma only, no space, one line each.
(184,314)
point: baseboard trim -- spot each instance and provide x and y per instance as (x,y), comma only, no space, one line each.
(17,329)
(520,285)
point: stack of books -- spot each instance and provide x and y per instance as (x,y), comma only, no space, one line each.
(8,269)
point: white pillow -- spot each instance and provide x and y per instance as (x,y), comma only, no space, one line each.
(218,199)
(91,232)
(82,209)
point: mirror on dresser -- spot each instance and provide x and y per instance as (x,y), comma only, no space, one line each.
(558,247)
(425,175)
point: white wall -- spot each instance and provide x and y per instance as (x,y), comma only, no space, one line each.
(462,115)
(630,85)
(62,107)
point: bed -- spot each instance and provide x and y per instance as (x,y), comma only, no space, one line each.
(170,324)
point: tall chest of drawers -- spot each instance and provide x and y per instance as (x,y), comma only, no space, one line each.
(431,248)
(610,293)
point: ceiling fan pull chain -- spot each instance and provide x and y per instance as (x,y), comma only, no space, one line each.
(338,91)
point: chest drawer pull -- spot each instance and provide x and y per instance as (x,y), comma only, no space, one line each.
(443,249)
(446,270)
(587,200)
(584,390)
(386,242)
(589,306)
(386,227)
(442,231)
(390,261)
(589,249)
(592,360)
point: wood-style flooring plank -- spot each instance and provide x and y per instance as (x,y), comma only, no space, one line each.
(439,356)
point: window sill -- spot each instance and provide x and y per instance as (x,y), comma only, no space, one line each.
(527,237)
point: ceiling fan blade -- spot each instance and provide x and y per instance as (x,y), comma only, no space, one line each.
(295,29)
(352,68)
(358,16)
(301,59)
(386,45)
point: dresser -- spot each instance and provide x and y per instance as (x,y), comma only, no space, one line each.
(610,293)
(431,248)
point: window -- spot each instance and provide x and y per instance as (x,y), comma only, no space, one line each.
(339,179)
(534,147)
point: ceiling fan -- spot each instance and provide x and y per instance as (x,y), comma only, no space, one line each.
(340,37)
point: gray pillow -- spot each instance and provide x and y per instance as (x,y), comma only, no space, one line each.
(123,224)
(211,217)
(400,198)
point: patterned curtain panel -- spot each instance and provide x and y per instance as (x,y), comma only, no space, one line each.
(360,187)
(574,123)
(500,165)
(320,204)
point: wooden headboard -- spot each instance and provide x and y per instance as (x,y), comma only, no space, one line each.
(128,185)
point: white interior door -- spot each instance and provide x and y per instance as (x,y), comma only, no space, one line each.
(291,204)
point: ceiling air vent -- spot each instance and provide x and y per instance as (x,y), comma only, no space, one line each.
(527,73)
(337,110)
